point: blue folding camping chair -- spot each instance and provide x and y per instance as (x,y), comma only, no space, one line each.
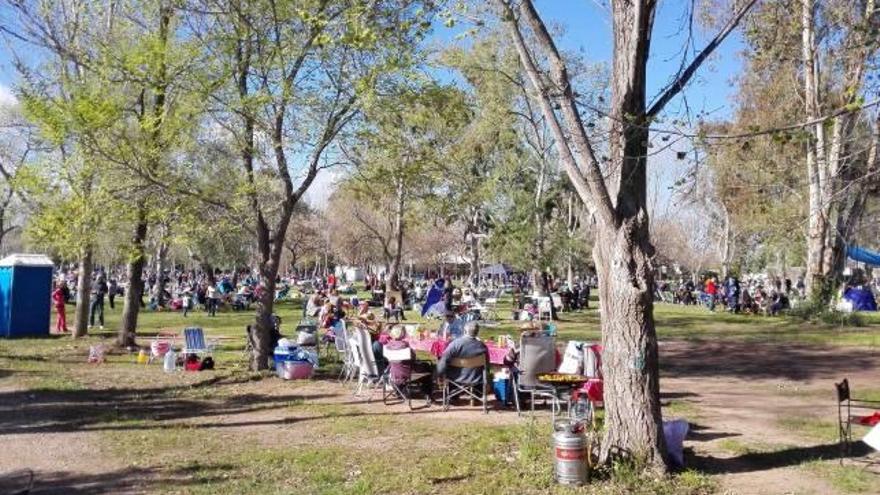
(195,342)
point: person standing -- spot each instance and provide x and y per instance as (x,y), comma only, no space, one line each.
(211,299)
(112,290)
(448,290)
(711,292)
(96,305)
(186,300)
(58,300)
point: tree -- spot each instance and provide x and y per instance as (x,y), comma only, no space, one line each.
(617,196)
(134,62)
(17,145)
(848,40)
(401,158)
(292,76)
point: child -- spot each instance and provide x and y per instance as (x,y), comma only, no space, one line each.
(58,300)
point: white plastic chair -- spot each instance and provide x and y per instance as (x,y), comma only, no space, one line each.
(544,308)
(343,350)
(368,374)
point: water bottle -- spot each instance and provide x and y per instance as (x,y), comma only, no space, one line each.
(581,410)
(170,362)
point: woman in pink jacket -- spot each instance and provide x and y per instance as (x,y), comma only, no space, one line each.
(58,301)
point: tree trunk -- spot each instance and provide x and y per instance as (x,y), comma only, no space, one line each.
(392,279)
(633,423)
(726,245)
(208,269)
(569,272)
(475,260)
(132,302)
(159,288)
(83,293)
(262,337)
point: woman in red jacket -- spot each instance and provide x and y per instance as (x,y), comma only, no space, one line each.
(58,300)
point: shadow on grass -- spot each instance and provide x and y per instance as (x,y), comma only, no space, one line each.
(750,360)
(698,433)
(128,480)
(52,410)
(762,461)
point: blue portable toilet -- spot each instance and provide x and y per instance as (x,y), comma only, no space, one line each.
(25,295)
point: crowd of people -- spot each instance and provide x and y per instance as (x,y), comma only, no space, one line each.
(768,296)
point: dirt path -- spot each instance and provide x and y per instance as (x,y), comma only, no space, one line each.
(747,401)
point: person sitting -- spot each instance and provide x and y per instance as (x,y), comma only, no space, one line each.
(334,298)
(401,372)
(466,346)
(451,327)
(313,306)
(331,316)
(779,303)
(326,310)
(393,310)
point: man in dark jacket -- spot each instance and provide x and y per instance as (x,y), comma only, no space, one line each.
(96,303)
(466,346)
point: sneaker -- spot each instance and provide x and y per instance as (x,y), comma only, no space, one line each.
(89,327)
(101,327)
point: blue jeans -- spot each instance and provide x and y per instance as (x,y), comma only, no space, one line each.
(96,306)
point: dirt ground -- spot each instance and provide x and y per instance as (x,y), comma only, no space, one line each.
(741,400)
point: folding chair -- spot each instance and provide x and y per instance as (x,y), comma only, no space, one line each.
(401,386)
(537,355)
(845,417)
(195,343)
(544,308)
(161,344)
(343,350)
(368,372)
(556,301)
(452,388)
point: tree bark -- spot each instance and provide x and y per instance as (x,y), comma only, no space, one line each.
(633,423)
(132,301)
(726,241)
(392,279)
(828,159)
(159,288)
(83,293)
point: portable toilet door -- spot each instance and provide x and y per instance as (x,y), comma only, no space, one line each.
(25,295)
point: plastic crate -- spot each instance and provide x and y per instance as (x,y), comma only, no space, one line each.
(294,370)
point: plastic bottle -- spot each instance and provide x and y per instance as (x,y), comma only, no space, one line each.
(170,362)
(581,411)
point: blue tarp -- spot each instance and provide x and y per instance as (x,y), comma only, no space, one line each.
(858,254)
(861,299)
(434,300)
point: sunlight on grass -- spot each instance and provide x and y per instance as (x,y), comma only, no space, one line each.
(809,427)
(846,478)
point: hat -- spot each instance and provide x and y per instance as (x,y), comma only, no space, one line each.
(396,332)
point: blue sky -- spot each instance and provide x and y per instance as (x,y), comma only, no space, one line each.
(587,29)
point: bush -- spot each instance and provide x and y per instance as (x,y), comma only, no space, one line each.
(815,312)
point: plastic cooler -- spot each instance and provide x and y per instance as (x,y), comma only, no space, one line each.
(288,367)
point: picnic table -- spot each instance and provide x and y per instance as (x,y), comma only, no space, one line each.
(436,345)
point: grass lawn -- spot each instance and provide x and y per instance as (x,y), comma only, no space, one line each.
(233,431)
